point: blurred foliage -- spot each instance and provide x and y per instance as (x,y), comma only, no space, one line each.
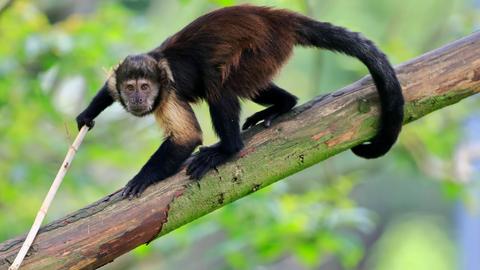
(53,58)
(417,241)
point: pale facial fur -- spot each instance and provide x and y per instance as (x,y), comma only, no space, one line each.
(139,95)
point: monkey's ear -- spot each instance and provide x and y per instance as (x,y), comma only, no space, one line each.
(112,85)
(111,71)
(165,67)
(114,68)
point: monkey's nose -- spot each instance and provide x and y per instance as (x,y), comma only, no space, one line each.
(138,100)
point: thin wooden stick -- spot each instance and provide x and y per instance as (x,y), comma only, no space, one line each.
(48,199)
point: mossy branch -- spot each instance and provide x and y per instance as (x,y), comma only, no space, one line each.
(317,130)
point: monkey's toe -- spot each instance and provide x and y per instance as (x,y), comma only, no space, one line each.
(250,122)
(258,117)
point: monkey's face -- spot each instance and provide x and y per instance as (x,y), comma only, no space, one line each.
(139,84)
(139,95)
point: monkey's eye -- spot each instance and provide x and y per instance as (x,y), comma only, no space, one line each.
(130,87)
(145,86)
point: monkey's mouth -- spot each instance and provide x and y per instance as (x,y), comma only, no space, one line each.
(139,110)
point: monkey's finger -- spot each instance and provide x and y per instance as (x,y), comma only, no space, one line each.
(250,122)
(80,125)
(133,193)
(190,167)
(268,120)
(126,191)
(198,173)
(129,192)
(267,123)
(192,170)
(91,124)
(138,190)
(141,189)
(197,161)
(201,170)
(203,160)
(194,175)
(245,126)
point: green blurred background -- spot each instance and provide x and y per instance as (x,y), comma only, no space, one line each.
(417,208)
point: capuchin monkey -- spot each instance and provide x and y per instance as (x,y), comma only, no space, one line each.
(230,54)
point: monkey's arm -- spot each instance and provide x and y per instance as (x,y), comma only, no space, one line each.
(183,135)
(165,162)
(102,100)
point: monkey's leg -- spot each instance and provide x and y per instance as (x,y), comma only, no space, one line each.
(281,102)
(225,118)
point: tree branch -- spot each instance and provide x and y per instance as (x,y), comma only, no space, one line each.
(317,130)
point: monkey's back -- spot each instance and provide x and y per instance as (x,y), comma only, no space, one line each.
(238,48)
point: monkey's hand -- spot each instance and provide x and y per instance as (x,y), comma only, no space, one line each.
(165,162)
(84,120)
(137,185)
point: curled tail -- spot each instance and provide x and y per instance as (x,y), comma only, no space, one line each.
(327,36)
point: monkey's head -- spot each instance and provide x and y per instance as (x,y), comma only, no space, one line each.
(140,82)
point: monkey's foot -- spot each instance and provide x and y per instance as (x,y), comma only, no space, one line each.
(266,116)
(205,160)
(136,186)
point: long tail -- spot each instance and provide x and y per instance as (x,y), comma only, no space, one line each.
(327,36)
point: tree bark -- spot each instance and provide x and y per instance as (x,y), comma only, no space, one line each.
(317,130)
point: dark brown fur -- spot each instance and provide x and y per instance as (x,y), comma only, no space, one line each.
(246,45)
(225,55)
